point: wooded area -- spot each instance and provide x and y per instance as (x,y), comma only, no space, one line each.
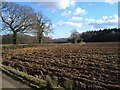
(106,35)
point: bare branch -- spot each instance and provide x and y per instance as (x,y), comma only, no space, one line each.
(17,18)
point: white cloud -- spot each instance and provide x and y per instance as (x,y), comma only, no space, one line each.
(73,24)
(79,11)
(90,4)
(111,1)
(66,3)
(66,13)
(80,31)
(54,11)
(72,3)
(53,25)
(104,22)
(62,4)
(105,17)
(76,18)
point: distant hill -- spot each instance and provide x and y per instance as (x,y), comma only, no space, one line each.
(60,40)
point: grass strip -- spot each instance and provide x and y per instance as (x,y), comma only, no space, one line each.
(31,81)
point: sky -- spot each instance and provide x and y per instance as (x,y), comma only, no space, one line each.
(69,15)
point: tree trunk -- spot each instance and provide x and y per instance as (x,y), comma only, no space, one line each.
(40,40)
(75,41)
(40,36)
(14,38)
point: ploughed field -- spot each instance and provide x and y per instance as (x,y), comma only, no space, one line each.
(95,65)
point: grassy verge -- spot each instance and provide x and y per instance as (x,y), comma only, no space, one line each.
(31,81)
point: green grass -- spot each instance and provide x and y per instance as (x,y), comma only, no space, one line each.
(32,81)
(24,77)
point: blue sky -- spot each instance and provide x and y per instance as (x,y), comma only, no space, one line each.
(82,16)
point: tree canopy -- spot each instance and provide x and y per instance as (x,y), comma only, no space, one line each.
(105,35)
(17,18)
(23,19)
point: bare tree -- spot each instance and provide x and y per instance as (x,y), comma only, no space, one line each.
(17,18)
(44,26)
(75,36)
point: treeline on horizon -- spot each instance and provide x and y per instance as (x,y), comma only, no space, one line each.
(105,35)
(23,39)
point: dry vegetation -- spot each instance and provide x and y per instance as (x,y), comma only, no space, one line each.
(90,66)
